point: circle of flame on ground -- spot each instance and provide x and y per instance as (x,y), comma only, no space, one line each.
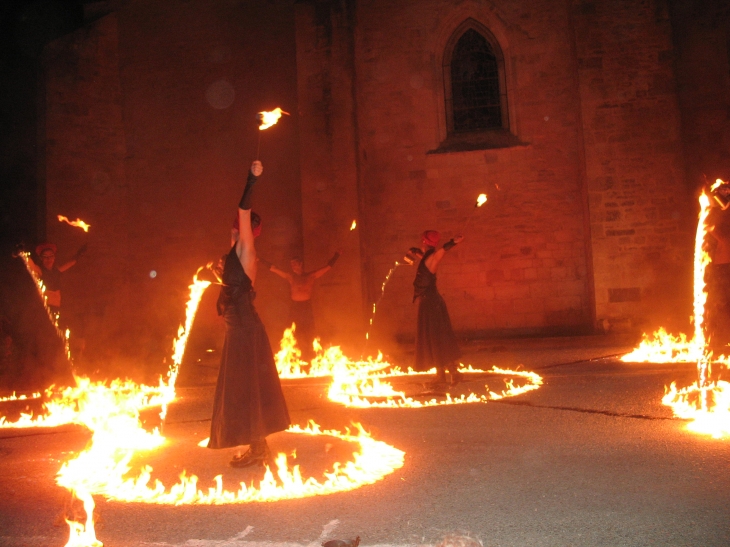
(112,412)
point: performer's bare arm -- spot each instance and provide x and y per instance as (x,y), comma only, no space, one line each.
(319,273)
(324,269)
(281,273)
(245,249)
(74,259)
(67,265)
(432,262)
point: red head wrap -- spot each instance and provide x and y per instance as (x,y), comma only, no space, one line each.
(430,238)
(255,224)
(46,247)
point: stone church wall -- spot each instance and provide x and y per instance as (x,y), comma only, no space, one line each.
(151,128)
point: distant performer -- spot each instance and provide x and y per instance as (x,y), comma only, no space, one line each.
(436,344)
(301,285)
(717,273)
(249,404)
(50,274)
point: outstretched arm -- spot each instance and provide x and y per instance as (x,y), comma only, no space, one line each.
(432,262)
(245,249)
(323,270)
(280,273)
(74,259)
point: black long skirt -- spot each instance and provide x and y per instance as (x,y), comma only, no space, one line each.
(249,403)
(436,344)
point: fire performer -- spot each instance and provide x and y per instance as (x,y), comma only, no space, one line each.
(249,403)
(50,274)
(436,344)
(717,274)
(301,286)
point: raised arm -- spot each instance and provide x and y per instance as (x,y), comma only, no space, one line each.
(324,269)
(432,262)
(74,259)
(245,249)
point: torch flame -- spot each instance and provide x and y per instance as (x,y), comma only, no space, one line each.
(267,119)
(706,402)
(78,223)
(481,200)
(353,225)
(717,184)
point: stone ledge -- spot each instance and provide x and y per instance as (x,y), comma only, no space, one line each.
(478,140)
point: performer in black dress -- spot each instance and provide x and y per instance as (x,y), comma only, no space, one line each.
(436,344)
(50,273)
(249,403)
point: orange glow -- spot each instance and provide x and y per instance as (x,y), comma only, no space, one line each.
(14,397)
(706,402)
(361,383)
(267,119)
(78,223)
(52,316)
(111,411)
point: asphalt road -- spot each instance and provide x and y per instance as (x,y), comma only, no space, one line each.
(590,459)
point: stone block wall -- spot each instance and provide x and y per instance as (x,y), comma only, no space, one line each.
(524,266)
(642,212)
(151,129)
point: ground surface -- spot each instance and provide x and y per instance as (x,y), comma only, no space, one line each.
(590,459)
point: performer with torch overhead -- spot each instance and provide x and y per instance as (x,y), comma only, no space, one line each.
(436,344)
(249,403)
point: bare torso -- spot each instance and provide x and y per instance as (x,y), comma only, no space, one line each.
(301,286)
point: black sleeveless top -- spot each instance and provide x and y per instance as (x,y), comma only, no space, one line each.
(51,278)
(425,281)
(236,286)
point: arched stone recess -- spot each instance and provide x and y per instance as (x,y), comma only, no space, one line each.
(490,25)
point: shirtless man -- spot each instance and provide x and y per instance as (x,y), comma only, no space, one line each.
(718,273)
(301,285)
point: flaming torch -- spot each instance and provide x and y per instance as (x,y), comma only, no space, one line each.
(481,200)
(266,120)
(78,223)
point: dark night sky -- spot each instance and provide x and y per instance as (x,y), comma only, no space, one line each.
(25,28)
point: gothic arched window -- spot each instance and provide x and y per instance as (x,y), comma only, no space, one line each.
(476,98)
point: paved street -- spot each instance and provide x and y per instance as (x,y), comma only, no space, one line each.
(590,459)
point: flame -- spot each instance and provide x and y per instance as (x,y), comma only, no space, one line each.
(78,223)
(716,185)
(22,397)
(267,119)
(53,317)
(111,411)
(481,200)
(353,225)
(382,293)
(361,383)
(706,402)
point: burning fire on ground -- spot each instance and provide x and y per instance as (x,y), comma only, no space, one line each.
(706,403)
(361,383)
(111,411)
